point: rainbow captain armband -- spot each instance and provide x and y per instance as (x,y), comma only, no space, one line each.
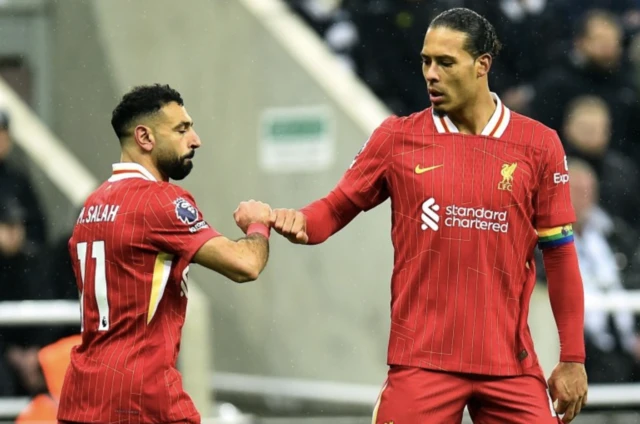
(554,237)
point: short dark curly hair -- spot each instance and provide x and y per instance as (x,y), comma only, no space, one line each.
(481,35)
(141,101)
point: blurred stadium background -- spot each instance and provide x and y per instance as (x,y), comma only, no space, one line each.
(283,94)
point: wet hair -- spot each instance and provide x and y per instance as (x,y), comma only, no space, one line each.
(481,35)
(141,101)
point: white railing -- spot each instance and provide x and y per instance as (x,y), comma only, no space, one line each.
(624,301)
(34,312)
(62,312)
(59,312)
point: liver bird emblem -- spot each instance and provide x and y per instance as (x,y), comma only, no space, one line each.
(507,176)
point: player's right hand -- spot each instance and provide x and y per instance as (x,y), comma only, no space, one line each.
(568,387)
(252,212)
(291,223)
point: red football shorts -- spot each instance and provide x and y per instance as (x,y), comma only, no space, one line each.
(421,396)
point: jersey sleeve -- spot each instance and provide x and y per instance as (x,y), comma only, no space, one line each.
(365,182)
(174,224)
(553,206)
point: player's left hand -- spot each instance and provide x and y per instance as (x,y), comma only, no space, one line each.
(568,386)
(290,223)
(251,212)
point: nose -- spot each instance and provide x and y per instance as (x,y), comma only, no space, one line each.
(431,73)
(195,142)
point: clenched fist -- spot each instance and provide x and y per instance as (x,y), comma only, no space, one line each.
(252,212)
(291,223)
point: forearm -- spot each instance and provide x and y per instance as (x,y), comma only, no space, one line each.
(254,249)
(566,295)
(241,260)
(328,215)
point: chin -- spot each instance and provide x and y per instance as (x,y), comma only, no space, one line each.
(182,175)
(440,109)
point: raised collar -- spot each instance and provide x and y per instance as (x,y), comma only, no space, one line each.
(494,128)
(124,170)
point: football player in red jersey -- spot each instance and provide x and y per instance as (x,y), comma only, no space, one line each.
(131,248)
(474,187)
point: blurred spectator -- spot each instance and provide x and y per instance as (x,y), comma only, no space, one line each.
(587,136)
(594,66)
(15,182)
(60,270)
(626,9)
(388,55)
(20,280)
(333,23)
(7,386)
(528,30)
(60,285)
(613,347)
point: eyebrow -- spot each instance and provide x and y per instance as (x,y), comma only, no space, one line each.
(443,56)
(185,124)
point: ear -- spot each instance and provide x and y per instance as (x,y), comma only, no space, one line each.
(144,137)
(483,65)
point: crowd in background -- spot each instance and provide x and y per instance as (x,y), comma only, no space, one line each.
(31,267)
(574,65)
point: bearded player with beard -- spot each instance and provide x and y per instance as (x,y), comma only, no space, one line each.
(131,249)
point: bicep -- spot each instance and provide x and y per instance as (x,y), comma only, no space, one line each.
(175,225)
(364,182)
(553,198)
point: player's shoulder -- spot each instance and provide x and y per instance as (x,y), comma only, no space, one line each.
(170,189)
(418,121)
(172,198)
(531,129)
(165,193)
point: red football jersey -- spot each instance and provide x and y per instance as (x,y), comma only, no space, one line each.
(465,210)
(131,249)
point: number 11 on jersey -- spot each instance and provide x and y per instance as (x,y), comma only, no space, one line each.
(99,282)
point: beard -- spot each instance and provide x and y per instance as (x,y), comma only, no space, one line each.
(176,167)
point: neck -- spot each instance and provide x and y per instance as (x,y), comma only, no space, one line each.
(143,160)
(475,115)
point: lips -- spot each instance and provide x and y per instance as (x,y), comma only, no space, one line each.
(435,96)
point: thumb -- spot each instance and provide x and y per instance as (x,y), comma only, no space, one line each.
(302,237)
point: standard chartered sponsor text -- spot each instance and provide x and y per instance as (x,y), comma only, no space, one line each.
(478,218)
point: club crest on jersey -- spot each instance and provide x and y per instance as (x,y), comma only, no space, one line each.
(507,171)
(185,211)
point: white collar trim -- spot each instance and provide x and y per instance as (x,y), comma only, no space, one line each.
(495,127)
(125,170)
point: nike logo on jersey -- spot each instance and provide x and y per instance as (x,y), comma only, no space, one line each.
(420,170)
